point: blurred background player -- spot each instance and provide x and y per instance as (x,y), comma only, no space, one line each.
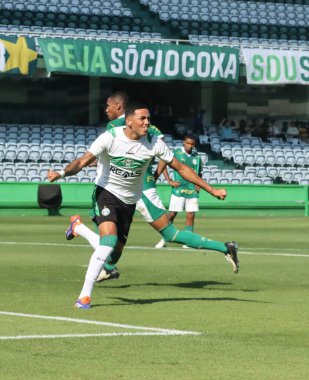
(184,196)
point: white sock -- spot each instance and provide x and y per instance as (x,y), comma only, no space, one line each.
(94,268)
(88,234)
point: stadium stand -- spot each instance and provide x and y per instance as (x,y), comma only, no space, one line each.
(260,23)
(237,22)
(28,161)
(27,151)
(98,19)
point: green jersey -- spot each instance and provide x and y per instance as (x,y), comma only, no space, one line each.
(119,122)
(193,160)
(149,180)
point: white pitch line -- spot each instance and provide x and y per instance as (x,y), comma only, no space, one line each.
(61,336)
(273,254)
(99,323)
(172,248)
(44,244)
(240,251)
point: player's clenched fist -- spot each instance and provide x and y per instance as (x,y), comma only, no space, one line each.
(220,193)
(53,176)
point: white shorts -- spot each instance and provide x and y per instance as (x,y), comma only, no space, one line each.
(178,204)
(150,205)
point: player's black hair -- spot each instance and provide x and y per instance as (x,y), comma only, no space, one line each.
(191,137)
(133,106)
(121,97)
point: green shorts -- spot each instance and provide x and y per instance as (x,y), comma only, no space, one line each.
(150,205)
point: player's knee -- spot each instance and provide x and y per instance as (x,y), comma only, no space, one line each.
(109,240)
(169,233)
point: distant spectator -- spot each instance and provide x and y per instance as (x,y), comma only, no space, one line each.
(245,130)
(195,122)
(292,130)
(275,130)
(261,130)
(303,131)
(226,129)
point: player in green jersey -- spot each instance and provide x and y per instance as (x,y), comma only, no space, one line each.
(184,196)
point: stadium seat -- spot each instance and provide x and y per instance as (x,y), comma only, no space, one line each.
(10,178)
(23,178)
(72,179)
(36,178)
(32,171)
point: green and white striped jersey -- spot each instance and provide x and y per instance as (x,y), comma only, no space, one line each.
(148,180)
(122,163)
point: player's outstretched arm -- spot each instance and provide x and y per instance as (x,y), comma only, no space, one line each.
(73,168)
(160,169)
(189,175)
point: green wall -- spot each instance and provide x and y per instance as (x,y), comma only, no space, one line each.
(24,195)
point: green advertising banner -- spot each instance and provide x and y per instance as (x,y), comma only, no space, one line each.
(266,66)
(17,55)
(141,61)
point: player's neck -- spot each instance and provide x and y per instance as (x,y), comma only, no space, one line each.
(131,134)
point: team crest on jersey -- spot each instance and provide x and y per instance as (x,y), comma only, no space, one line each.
(106,211)
(194,162)
(128,162)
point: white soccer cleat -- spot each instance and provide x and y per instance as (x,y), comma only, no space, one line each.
(106,274)
(231,256)
(161,244)
(185,246)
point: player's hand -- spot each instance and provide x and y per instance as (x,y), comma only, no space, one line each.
(174,183)
(53,176)
(220,194)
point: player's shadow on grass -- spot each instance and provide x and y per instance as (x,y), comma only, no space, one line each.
(187,285)
(140,301)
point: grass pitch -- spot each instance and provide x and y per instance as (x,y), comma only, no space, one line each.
(253,325)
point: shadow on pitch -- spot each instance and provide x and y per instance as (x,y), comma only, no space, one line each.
(215,285)
(140,301)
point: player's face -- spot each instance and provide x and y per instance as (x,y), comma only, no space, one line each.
(189,144)
(112,109)
(139,122)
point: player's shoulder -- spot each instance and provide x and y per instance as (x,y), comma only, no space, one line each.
(195,154)
(155,131)
(120,122)
(153,138)
(178,151)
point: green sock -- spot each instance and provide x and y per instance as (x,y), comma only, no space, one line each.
(109,266)
(189,228)
(191,239)
(112,260)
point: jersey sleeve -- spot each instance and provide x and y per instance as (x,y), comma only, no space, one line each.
(101,143)
(154,131)
(178,154)
(163,151)
(200,166)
